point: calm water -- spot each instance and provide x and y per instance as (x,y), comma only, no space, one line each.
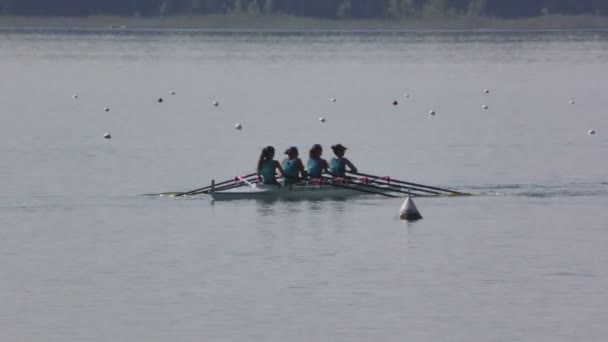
(87,257)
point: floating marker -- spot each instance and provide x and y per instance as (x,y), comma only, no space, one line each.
(172,92)
(408,211)
(216,104)
(572,102)
(407,95)
(431,112)
(322,119)
(107,136)
(486,91)
(485,107)
(74,96)
(238,126)
(333,99)
(106,109)
(395,103)
(160,100)
(591,132)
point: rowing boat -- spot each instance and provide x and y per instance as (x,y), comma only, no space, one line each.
(300,191)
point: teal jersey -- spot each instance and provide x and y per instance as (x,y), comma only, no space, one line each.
(267,170)
(314,168)
(291,170)
(337,167)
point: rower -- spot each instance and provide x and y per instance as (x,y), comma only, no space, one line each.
(293,168)
(267,167)
(338,164)
(316,165)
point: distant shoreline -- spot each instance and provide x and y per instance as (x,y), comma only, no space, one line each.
(285,22)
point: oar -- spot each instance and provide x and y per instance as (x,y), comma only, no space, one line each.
(203,189)
(365,180)
(412,184)
(221,188)
(393,189)
(246,181)
(332,182)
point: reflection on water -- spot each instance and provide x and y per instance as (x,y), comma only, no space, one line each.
(84,258)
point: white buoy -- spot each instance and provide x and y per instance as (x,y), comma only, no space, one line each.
(407,95)
(572,102)
(107,136)
(408,211)
(74,96)
(322,119)
(333,99)
(238,126)
(591,132)
(216,104)
(486,91)
(432,112)
(106,109)
(172,92)
(485,107)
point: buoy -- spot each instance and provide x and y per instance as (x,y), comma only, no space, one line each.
(74,96)
(216,104)
(485,107)
(160,100)
(106,109)
(431,112)
(238,126)
(486,91)
(172,92)
(407,95)
(322,119)
(107,136)
(395,103)
(591,132)
(333,99)
(408,211)
(572,102)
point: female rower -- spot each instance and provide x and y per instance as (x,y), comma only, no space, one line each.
(293,168)
(267,167)
(316,165)
(338,164)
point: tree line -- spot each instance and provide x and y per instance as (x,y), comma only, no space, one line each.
(310,8)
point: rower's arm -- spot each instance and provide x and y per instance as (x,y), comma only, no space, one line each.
(280,168)
(350,165)
(302,169)
(325,168)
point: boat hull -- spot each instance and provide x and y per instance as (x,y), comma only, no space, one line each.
(290,192)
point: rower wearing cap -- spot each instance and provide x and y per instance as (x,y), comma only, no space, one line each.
(267,167)
(338,164)
(316,165)
(293,168)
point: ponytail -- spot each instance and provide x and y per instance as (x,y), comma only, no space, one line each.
(266,153)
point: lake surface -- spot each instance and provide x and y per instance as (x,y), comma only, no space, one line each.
(89,255)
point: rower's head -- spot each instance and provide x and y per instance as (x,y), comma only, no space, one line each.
(339,150)
(292,152)
(267,153)
(316,151)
